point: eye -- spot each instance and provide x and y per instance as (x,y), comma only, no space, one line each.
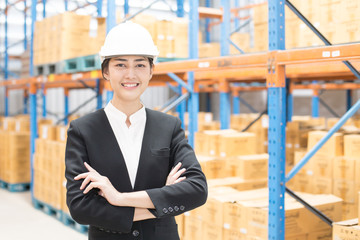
(120,65)
(141,65)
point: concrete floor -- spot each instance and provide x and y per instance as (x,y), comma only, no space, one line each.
(19,220)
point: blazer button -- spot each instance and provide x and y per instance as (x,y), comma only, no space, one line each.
(165,210)
(171,209)
(176,208)
(182,208)
(135,233)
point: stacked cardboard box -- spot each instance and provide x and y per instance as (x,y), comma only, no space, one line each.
(49,166)
(66,36)
(346,230)
(230,214)
(337,20)
(242,40)
(259,128)
(15,150)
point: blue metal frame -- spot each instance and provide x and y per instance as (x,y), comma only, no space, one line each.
(25,30)
(44,102)
(111,17)
(66,5)
(44,8)
(33,20)
(99,5)
(236,104)
(207,22)
(126,7)
(237,22)
(180,81)
(225,110)
(243,101)
(348,99)
(6,71)
(33,136)
(109,96)
(193,102)
(277,123)
(333,130)
(66,107)
(180,8)
(6,113)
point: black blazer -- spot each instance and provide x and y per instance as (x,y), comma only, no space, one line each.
(91,140)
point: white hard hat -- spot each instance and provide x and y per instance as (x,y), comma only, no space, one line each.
(128,39)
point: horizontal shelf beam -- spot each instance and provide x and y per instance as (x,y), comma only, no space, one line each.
(205,12)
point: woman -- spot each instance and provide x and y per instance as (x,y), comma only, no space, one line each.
(129,169)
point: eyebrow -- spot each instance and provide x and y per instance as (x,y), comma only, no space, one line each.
(125,60)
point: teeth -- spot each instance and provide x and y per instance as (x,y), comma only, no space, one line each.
(129,84)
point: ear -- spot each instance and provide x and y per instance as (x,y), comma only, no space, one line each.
(106,74)
(152,71)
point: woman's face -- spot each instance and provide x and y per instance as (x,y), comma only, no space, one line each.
(129,76)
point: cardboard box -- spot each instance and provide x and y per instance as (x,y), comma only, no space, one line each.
(321,235)
(180,222)
(235,144)
(332,148)
(359,206)
(47,132)
(352,146)
(323,185)
(209,50)
(349,230)
(322,165)
(212,167)
(250,166)
(345,168)
(242,40)
(345,189)
(212,232)
(211,141)
(349,210)
(192,228)
(9,124)
(238,183)
(230,234)
(260,14)
(61,133)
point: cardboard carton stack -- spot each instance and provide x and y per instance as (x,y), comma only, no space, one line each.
(337,20)
(230,214)
(66,36)
(49,166)
(333,169)
(15,150)
(259,128)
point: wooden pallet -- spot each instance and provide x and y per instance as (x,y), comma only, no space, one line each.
(15,187)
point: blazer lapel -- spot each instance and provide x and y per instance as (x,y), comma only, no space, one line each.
(114,159)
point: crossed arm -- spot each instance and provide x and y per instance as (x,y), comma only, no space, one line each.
(139,200)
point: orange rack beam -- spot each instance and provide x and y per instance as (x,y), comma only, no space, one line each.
(205,12)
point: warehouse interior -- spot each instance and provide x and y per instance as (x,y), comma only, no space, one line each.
(267,92)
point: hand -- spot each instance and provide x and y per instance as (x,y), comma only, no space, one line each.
(106,189)
(174,175)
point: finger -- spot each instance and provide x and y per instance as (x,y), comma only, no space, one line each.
(179,180)
(91,186)
(81,176)
(175,169)
(178,174)
(86,181)
(101,193)
(88,167)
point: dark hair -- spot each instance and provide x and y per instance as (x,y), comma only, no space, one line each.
(105,65)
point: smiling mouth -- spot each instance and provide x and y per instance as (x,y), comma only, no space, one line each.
(129,84)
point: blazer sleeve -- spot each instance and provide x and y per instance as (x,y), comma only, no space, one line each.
(178,198)
(90,208)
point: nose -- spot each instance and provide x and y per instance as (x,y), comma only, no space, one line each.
(130,73)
